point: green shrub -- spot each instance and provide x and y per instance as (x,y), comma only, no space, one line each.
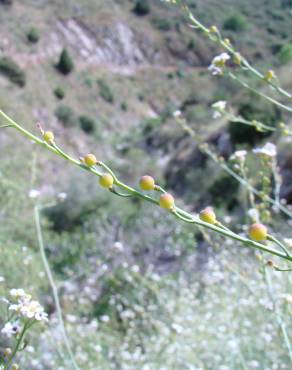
(235,22)
(285,53)
(59,93)
(141,7)
(192,44)
(253,109)
(6,2)
(66,115)
(124,106)
(162,24)
(65,64)
(33,35)
(87,124)
(105,91)
(12,71)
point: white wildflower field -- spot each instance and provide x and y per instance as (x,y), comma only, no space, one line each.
(145,178)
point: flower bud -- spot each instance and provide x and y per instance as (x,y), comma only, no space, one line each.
(90,160)
(49,137)
(270,263)
(237,58)
(166,201)
(106,180)
(7,352)
(270,75)
(208,215)
(258,232)
(213,29)
(147,183)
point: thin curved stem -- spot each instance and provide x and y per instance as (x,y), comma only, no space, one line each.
(180,213)
(53,286)
(277,312)
(244,64)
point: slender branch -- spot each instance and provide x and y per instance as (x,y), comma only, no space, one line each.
(244,64)
(179,213)
(280,321)
(53,286)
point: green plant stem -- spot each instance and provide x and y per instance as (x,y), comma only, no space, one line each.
(53,286)
(280,321)
(281,245)
(204,149)
(267,97)
(179,213)
(19,341)
(244,64)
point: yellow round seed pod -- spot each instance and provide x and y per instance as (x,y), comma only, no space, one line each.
(15,367)
(208,215)
(147,183)
(106,180)
(49,137)
(258,232)
(90,160)
(166,201)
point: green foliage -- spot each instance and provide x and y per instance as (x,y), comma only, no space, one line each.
(12,71)
(142,7)
(162,24)
(124,106)
(65,64)
(223,185)
(285,53)
(59,92)
(6,2)
(105,91)
(66,115)
(87,124)
(236,23)
(33,35)
(253,109)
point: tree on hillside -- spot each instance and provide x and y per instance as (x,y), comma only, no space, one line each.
(65,64)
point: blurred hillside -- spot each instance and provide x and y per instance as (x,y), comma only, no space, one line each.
(126,66)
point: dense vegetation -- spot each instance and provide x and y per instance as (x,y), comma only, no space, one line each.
(129,82)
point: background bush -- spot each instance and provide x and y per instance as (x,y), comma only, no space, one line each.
(235,22)
(65,64)
(66,115)
(87,124)
(33,35)
(142,7)
(11,70)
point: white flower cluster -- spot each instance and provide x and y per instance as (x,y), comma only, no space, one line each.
(27,307)
(239,155)
(219,108)
(268,150)
(218,64)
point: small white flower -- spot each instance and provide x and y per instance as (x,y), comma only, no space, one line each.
(17,293)
(10,329)
(176,114)
(62,196)
(239,155)
(218,64)
(269,150)
(2,279)
(34,193)
(253,213)
(288,242)
(118,246)
(219,108)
